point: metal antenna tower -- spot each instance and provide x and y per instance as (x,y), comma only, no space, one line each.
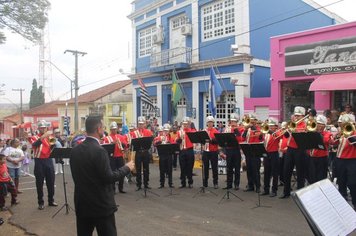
(45,69)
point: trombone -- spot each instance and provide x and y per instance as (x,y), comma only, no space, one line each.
(347,129)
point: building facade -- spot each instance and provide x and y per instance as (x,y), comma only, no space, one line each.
(232,36)
(314,68)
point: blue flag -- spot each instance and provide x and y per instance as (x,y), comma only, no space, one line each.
(215,91)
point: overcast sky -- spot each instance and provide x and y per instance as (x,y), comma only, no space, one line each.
(100,29)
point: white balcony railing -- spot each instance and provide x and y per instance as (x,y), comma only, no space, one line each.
(171,56)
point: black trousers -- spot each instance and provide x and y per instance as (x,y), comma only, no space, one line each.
(318,169)
(165,168)
(253,165)
(44,170)
(211,157)
(175,159)
(271,166)
(280,168)
(233,165)
(294,157)
(142,158)
(105,226)
(115,164)
(186,162)
(346,175)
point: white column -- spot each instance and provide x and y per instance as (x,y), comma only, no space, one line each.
(242,25)
(133,52)
(159,103)
(134,105)
(195,34)
(195,102)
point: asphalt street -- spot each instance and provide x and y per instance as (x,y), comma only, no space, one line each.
(180,212)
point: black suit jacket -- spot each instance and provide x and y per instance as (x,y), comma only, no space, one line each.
(93,179)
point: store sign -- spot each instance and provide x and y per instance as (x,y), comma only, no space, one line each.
(326,57)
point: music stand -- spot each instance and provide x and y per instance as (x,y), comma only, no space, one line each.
(309,140)
(256,150)
(60,153)
(227,140)
(109,148)
(139,145)
(168,149)
(200,137)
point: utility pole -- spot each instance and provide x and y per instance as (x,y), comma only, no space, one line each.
(21,116)
(76,88)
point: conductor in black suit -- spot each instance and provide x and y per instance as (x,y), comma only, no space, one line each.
(93,178)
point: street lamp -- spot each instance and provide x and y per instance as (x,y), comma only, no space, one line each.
(71,81)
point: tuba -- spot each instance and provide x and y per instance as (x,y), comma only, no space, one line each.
(264,128)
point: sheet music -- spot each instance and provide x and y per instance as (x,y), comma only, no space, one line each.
(327,208)
(346,213)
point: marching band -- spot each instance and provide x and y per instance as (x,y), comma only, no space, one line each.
(283,158)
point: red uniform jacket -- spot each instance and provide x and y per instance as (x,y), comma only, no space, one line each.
(271,142)
(346,150)
(327,138)
(120,146)
(300,127)
(186,143)
(209,147)
(43,150)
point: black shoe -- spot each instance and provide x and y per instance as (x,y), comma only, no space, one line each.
(182,186)
(147,187)
(122,191)
(171,186)
(216,186)
(53,204)
(265,193)
(15,202)
(162,186)
(258,190)
(249,190)
(228,187)
(273,194)
(41,207)
(190,185)
(284,196)
(205,185)
(237,187)
(138,188)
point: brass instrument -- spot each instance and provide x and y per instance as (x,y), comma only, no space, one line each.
(347,129)
(311,125)
(246,121)
(292,125)
(52,141)
(264,128)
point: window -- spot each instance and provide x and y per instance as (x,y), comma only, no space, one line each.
(145,41)
(218,20)
(224,107)
(179,21)
(145,112)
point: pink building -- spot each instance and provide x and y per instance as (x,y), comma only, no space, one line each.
(314,68)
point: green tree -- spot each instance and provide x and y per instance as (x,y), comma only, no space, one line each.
(37,96)
(25,17)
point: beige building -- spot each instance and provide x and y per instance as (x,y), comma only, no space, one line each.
(113,102)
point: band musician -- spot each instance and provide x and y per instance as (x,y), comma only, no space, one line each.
(233,154)
(210,153)
(252,134)
(44,168)
(295,156)
(142,157)
(346,157)
(117,159)
(165,160)
(186,156)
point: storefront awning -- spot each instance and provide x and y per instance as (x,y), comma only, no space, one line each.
(331,82)
(25,125)
(55,124)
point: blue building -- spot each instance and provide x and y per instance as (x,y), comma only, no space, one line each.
(191,36)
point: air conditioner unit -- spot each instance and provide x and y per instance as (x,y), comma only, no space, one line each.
(186,29)
(158,36)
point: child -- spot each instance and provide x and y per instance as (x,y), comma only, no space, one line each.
(26,162)
(6,185)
